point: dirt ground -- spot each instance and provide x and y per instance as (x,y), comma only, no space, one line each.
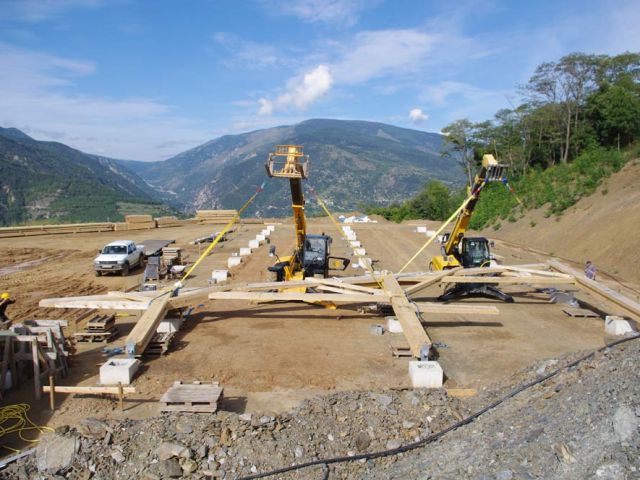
(269,357)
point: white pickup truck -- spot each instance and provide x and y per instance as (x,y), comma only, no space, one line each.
(119,256)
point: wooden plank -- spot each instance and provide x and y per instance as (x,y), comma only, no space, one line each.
(430,281)
(103,302)
(461,392)
(405,311)
(600,290)
(580,312)
(509,280)
(457,308)
(88,390)
(300,297)
(146,326)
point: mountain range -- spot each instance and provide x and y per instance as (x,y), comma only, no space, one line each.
(352,163)
(51,182)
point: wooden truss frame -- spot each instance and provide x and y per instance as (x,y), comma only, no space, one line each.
(401,291)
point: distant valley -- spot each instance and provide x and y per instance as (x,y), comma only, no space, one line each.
(353,163)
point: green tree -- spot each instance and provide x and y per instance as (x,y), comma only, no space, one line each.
(615,114)
(458,144)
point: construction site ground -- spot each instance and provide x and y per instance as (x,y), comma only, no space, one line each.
(270,357)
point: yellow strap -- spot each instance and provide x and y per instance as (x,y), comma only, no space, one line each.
(220,235)
(444,225)
(326,210)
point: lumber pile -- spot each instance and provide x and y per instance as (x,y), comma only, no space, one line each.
(120,227)
(165,222)
(6,232)
(215,216)
(140,222)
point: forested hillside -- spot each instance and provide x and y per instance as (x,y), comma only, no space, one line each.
(576,125)
(51,182)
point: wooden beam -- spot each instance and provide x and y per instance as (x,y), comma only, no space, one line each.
(143,330)
(105,302)
(600,290)
(510,280)
(88,390)
(299,297)
(405,311)
(412,290)
(457,308)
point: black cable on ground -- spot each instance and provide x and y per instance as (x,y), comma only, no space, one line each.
(441,433)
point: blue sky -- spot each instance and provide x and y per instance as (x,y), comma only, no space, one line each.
(145,80)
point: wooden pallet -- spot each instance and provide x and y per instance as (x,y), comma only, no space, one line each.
(97,336)
(101,323)
(159,344)
(191,397)
(580,312)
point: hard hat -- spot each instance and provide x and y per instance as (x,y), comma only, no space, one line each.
(5,296)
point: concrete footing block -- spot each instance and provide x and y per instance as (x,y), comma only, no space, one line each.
(234,261)
(355,244)
(425,374)
(618,326)
(430,233)
(260,237)
(254,243)
(271,228)
(118,370)
(393,325)
(220,276)
(421,229)
(365,262)
(169,325)
(359,251)
(244,251)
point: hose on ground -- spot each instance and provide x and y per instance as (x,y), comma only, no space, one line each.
(15,419)
(441,433)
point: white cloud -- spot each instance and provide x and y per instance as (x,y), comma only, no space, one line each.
(39,10)
(417,115)
(34,98)
(341,12)
(373,54)
(247,53)
(301,91)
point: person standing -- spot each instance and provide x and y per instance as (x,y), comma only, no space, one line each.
(5,301)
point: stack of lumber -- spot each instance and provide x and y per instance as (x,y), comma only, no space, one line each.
(55,229)
(120,226)
(140,222)
(164,222)
(215,216)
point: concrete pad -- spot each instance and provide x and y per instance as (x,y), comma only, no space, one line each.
(618,326)
(359,251)
(244,251)
(393,325)
(421,229)
(271,228)
(220,276)
(234,261)
(169,325)
(254,244)
(260,238)
(425,374)
(354,243)
(118,370)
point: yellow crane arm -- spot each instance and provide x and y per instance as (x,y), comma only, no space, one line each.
(491,170)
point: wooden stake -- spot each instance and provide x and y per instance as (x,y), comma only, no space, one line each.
(52,394)
(120,396)
(36,368)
